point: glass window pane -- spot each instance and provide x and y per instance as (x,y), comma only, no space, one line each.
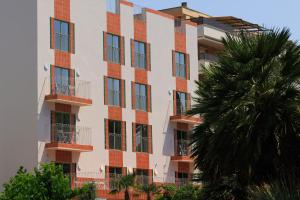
(57,26)
(64,28)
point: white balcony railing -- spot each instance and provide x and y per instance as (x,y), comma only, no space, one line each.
(72,87)
(70,134)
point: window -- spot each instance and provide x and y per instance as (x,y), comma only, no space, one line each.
(115,134)
(142,176)
(141,96)
(114,174)
(182,178)
(69,170)
(63,128)
(180,65)
(142,138)
(61,30)
(140,54)
(181,103)
(182,143)
(62,81)
(113,6)
(114,94)
(113,45)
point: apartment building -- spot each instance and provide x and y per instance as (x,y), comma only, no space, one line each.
(211,30)
(100,87)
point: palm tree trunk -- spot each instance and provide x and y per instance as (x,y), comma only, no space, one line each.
(127,197)
(148,196)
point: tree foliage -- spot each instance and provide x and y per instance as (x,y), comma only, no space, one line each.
(46,183)
(249,102)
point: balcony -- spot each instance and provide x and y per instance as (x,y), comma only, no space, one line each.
(205,59)
(211,32)
(76,94)
(182,151)
(70,138)
(180,113)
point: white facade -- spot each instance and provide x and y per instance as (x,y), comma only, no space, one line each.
(26,56)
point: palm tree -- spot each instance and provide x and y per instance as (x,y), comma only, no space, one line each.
(249,102)
(149,189)
(124,183)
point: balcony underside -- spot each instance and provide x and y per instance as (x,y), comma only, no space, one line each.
(70,100)
(181,159)
(185,119)
(210,42)
(69,147)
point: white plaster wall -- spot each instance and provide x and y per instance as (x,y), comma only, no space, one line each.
(90,22)
(160,32)
(128,115)
(18,86)
(45,59)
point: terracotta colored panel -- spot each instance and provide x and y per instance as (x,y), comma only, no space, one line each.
(62,108)
(141,76)
(140,30)
(62,59)
(115,158)
(113,23)
(142,160)
(141,117)
(62,9)
(114,70)
(63,156)
(180,42)
(184,167)
(115,113)
(181,85)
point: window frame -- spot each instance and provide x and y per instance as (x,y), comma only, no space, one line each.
(115,135)
(116,94)
(142,139)
(140,50)
(143,174)
(180,62)
(139,97)
(58,35)
(181,109)
(113,50)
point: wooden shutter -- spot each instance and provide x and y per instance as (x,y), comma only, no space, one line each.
(133,98)
(104,46)
(106,136)
(122,46)
(72,38)
(124,171)
(105,90)
(173,63)
(174,102)
(133,137)
(132,53)
(72,82)
(150,140)
(123,136)
(149,98)
(188,96)
(52,33)
(150,175)
(187,64)
(148,56)
(123,94)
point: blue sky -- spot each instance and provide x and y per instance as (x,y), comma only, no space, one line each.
(271,13)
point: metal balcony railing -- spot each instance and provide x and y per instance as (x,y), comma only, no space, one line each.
(182,106)
(72,87)
(182,147)
(70,134)
(113,179)
(142,180)
(213,23)
(181,181)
